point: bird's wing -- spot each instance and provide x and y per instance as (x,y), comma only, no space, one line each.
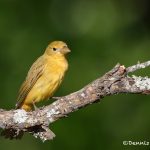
(33,75)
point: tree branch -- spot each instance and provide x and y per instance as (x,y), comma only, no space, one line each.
(16,122)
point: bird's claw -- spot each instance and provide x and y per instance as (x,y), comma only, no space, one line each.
(35,107)
(60,116)
(56,98)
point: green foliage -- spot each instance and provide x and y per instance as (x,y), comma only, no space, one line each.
(100,34)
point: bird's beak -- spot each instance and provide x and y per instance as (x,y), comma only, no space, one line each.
(65,50)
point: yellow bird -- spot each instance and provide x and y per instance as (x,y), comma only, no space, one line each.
(44,76)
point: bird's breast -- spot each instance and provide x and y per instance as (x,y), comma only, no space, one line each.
(47,85)
(51,79)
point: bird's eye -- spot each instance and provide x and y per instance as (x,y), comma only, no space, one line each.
(54,49)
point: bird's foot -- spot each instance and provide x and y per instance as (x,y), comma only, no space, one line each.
(60,116)
(35,107)
(56,98)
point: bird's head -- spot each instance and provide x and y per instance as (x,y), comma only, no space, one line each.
(57,48)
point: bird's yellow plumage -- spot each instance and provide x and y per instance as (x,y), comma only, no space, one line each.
(44,76)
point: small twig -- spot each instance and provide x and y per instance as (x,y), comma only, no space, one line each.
(138,66)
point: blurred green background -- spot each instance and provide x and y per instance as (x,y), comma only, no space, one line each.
(100,34)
